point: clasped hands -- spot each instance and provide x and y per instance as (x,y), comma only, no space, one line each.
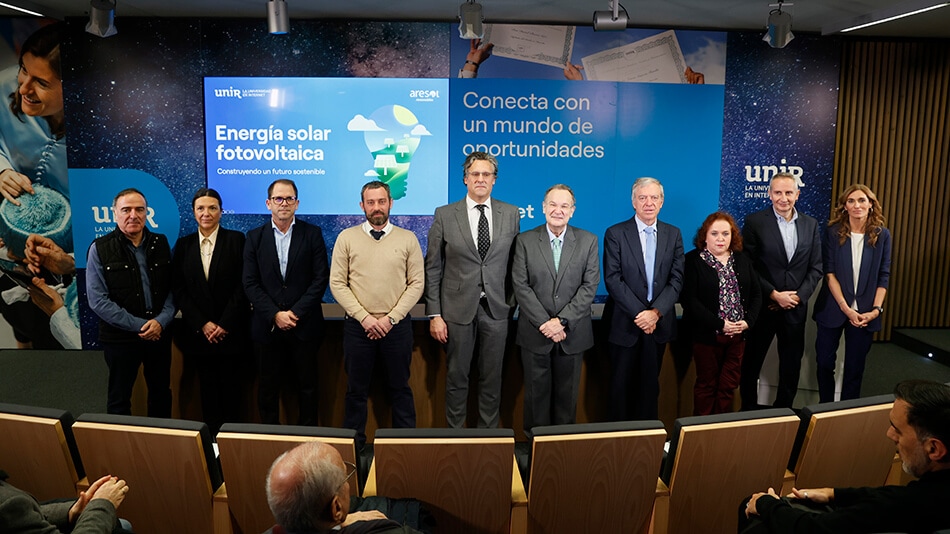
(785,300)
(376,328)
(553,330)
(646,320)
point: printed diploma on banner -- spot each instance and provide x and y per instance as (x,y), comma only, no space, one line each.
(656,59)
(547,45)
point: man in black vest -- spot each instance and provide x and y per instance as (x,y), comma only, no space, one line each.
(128,275)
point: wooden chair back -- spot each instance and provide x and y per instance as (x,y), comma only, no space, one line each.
(594,477)
(38,452)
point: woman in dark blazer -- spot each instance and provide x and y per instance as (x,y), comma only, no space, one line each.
(721,299)
(856,253)
(215,313)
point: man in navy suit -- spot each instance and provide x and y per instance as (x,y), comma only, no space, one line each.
(285,275)
(643,271)
(785,246)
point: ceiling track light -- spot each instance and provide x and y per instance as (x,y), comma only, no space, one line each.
(779,31)
(470,20)
(611,20)
(897,11)
(101,18)
(278,20)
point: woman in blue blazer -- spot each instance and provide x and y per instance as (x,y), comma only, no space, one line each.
(856,253)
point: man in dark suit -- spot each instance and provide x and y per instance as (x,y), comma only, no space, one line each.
(785,247)
(215,315)
(467,288)
(643,271)
(285,275)
(555,273)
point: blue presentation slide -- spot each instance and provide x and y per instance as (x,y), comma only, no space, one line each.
(329,135)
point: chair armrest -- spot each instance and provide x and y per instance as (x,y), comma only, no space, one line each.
(788,482)
(660,522)
(220,511)
(519,502)
(369,490)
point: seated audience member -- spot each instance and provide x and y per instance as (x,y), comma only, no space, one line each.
(920,427)
(308,491)
(93,512)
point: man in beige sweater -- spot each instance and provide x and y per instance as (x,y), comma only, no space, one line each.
(377,275)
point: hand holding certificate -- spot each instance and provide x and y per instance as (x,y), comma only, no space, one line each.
(547,45)
(657,59)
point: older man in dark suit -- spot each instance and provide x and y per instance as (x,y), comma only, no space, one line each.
(467,289)
(555,273)
(643,271)
(285,275)
(785,246)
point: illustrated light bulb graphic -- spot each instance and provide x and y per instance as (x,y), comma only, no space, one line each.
(392,134)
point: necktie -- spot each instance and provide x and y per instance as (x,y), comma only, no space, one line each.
(649,258)
(376,234)
(556,248)
(206,255)
(484,238)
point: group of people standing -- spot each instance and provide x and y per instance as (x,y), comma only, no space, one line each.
(267,288)
(742,290)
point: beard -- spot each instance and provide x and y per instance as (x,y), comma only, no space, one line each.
(377,218)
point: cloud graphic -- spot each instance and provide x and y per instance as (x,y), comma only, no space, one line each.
(360,123)
(371,173)
(420,130)
(710,60)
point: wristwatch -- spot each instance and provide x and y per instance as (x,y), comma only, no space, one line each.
(880,309)
(392,321)
(563,321)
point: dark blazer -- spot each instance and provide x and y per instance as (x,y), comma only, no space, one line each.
(543,293)
(219,299)
(700,297)
(762,242)
(625,277)
(456,274)
(308,273)
(875,272)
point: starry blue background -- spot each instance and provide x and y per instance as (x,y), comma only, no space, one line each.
(780,109)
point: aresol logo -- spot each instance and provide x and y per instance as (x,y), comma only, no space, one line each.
(424,94)
(230,92)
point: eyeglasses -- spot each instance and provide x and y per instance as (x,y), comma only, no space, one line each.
(480,174)
(352,469)
(283,200)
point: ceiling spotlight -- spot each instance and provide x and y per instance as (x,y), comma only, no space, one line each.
(470,20)
(780,27)
(101,18)
(278,20)
(605,21)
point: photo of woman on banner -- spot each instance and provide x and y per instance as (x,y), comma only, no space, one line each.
(35,221)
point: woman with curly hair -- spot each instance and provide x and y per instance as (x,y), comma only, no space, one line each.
(856,254)
(721,299)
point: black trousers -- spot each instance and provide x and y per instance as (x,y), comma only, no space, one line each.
(284,354)
(124,360)
(360,354)
(635,383)
(791,347)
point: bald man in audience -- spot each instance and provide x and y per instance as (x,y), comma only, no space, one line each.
(308,491)
(920,429)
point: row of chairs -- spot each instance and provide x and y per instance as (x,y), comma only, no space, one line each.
(589,477)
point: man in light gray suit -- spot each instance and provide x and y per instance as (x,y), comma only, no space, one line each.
(643,272)
(555,273)
(467,288)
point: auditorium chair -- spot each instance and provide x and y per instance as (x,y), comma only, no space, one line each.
(715,461)
(38,452)
(598,477)
(466,478)
(247,452)
(169,464)
(842,444)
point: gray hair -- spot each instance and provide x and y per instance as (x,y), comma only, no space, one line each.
(303,506)
(783,176)
(643,182)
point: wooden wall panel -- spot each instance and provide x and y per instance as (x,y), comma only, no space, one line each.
(894,136)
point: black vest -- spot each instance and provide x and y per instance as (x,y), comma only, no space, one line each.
(123,278)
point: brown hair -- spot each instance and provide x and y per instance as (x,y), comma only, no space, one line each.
(872,226)
(735,242)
